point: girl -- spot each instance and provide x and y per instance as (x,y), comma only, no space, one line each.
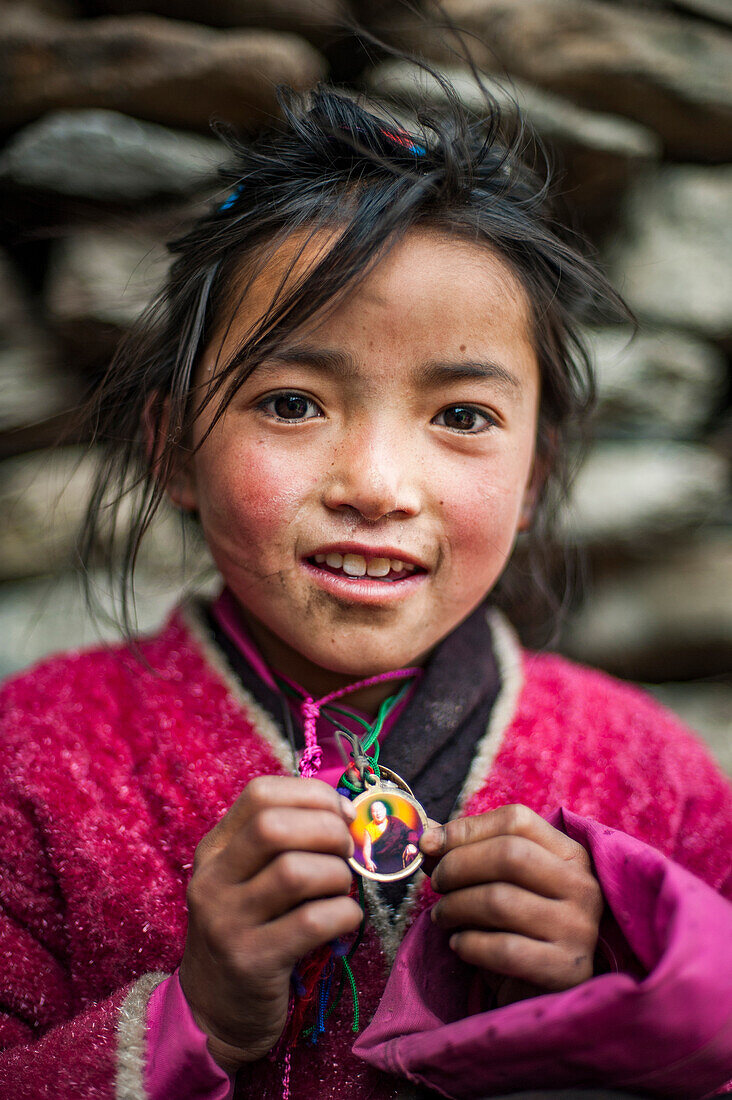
(362,379)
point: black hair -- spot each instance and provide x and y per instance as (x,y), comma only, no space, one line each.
(331,162)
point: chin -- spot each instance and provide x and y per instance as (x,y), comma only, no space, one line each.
(364,663)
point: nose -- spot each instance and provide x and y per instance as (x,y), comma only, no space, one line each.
(374,473)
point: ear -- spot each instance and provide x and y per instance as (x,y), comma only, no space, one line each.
(177,476)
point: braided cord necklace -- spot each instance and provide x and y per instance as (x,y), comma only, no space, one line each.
(363,779)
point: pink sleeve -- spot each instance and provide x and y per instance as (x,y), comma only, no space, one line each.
(666,1028)
(179,1066)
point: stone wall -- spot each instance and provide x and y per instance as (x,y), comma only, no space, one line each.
(106,151)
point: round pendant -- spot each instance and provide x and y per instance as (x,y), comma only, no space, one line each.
(388,824)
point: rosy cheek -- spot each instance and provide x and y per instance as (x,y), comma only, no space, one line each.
(251,489)
(481,518)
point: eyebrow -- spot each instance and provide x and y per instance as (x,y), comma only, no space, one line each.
(436,374)
(432,374)
(324,360)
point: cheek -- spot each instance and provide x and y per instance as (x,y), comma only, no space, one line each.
(250,489)
(482,511)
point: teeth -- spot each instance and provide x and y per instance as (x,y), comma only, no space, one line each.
(354,565)
(357,565)
(378,567)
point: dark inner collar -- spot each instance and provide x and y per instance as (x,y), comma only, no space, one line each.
(433,741)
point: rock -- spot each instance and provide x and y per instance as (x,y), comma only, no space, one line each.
(716,11)
(635,493)
(315,20)
(42,502)
(598,151)
(99,281)
(21,11)
(100,277)
(17,321)
(151,68)
(670,73)
(32,388)
(43,498)
(48,615)
(706,708)
(659,384)
(550,115)
(107,156)
(672,262)
(664,619)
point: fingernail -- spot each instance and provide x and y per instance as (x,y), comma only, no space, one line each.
(347,809)
(432,840)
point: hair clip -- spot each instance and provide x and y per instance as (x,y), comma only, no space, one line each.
(397,137)
(231,198)
(402,137)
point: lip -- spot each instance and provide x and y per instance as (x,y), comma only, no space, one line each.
(363,590)
(368,552)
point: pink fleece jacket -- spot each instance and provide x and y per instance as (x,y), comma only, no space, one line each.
(112,770)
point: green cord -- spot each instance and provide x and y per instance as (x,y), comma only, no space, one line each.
(347,714)
(374,731)
(349,974)
(371,740)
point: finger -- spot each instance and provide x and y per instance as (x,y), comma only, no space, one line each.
(429,862)
(312,925)
(279,829)
(501,906)
(283,790)
(266,791)
(511,859)
(289,880)
(543,964)
(513,820)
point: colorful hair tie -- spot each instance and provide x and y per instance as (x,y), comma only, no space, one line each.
(231,198)
(402,137)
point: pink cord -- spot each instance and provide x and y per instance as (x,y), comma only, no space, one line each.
(286,1075)
(310,765)
(310,709)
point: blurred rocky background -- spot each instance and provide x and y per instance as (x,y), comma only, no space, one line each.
(106,151)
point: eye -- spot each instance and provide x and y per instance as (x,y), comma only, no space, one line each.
(464,418)
(290,406)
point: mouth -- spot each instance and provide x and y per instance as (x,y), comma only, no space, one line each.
(345,572)
(358,567)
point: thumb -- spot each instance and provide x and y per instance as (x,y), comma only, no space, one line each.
(432,845)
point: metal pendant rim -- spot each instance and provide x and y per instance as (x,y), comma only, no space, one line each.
(405,792)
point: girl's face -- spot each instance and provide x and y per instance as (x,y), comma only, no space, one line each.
(399,428)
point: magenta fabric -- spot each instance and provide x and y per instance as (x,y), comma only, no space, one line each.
(179,1065)
(332,764)
(112,769)
(668,1034)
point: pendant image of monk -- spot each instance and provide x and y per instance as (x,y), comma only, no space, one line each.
(389,845)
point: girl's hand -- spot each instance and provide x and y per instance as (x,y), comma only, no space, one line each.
(269,884)
(521,897)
